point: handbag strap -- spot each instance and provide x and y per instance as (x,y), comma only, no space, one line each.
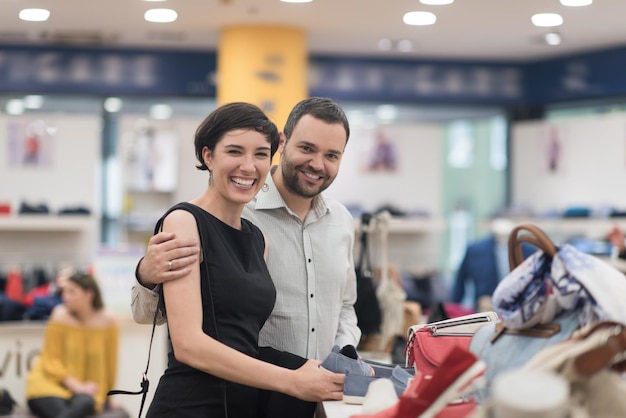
(145,383)
(160,307)
(532,235)
(363,263)
(382,225)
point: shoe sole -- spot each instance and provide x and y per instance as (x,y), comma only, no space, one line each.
(353,399)
(455,389)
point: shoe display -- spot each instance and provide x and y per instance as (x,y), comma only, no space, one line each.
(355,387)
(448,382)
(346,360)
(426,397)
(381,394)
(386,369)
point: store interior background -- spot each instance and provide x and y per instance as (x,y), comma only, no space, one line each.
(465,153)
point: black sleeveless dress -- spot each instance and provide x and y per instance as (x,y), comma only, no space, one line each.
(237,297)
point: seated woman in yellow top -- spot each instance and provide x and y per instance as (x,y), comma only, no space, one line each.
(78,363)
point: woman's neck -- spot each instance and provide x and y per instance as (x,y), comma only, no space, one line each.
(84,317)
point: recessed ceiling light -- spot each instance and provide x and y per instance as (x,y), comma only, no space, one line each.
(405,45)
(553,38)
(161,112)
(436,2)
(34,15)
(419,18)
(385,44)
(33,101)
(386,112)
(547,19)
(576,3)
(160,15)
(113,104)
(15,107)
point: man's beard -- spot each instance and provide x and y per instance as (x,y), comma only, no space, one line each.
(294,184)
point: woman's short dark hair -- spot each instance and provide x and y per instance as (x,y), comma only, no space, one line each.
(88,282)
(236,115)
(320,108)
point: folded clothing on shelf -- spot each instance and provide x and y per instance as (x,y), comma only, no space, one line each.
(27,208)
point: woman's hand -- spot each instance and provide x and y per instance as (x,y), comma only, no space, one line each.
(314,384)
(616,238)
(88,388)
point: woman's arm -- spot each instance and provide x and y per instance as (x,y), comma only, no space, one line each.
(193,347)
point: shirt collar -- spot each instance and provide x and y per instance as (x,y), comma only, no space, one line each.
(271,199)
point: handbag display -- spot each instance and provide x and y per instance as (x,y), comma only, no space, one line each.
(534,318)
(429,344)
(589,364)
(505,349)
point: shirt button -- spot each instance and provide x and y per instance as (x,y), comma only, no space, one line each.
(309,260)
(312,329)
(311,294)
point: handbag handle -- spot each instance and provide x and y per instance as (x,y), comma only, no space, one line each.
(534,236)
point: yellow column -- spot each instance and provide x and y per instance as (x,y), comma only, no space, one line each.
(264,65)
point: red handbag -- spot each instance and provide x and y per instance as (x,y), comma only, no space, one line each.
(429,344)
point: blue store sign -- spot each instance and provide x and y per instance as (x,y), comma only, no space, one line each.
(192,73)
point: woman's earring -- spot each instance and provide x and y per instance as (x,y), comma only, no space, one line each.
(265,187)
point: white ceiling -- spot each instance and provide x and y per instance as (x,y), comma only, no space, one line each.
(467,29)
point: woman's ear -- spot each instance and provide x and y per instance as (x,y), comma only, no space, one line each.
(207,156)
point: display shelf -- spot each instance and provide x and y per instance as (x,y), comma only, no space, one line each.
(53,223)
(568,227)
(408,225)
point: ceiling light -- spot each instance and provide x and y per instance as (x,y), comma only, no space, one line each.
(419,18)
(160,15)
(386,112)
(404,45)
(33,102)
(14,107)
(385,44)
(161,112)
(436,2)
(34,15)
(547,20)
(576,3)
(113,104)
(553,38)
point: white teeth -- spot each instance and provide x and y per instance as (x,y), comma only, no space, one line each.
(243,182)
(311,176)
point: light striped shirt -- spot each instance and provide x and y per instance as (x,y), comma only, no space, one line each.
(312,266)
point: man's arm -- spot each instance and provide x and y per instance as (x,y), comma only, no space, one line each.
(143,304)
(348,332)
(167,258)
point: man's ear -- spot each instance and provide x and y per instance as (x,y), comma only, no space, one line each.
(281,142)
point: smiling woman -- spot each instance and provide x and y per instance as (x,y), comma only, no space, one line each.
(78,362)
(213,367)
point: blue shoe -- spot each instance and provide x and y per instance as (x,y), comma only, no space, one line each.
(386,369)
(355,386)
(346,360)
